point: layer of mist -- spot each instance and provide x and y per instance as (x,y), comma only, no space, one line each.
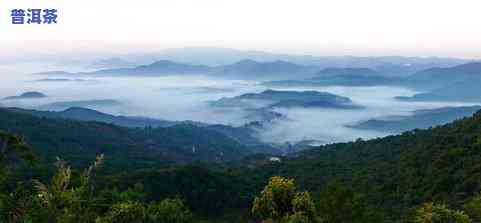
(185,98)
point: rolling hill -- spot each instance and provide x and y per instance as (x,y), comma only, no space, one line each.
(287,99)
(435,78)
(464,91)
(395,173)
(244,69)
(341,77)
(81,141)
(420,119)
(273,70)
(243,135)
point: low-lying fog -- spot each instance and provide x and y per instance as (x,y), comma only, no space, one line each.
(184,97)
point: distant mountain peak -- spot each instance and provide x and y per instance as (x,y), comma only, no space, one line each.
(468,68)
(471,68)
(273,98)
(307,92)
(349,71)
(163,63)
(246,62)
(80,109)
(27,95)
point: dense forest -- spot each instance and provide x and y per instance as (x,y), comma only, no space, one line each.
(128,148)
(56,170)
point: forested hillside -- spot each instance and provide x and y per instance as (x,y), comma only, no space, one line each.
(397,173)
(426,176)
(129,148)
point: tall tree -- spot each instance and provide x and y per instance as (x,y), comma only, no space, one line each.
(279,202)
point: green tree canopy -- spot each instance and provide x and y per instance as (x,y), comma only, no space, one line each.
(435,213)
(125,212)
(339,204)
(279,202)
(473,208)
(169,211)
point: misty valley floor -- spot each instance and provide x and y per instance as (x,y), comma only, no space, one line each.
(184,98)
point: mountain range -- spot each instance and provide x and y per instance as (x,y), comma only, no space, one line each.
(278,69)
(340,77)
(456,83)
(435,78)
(463,91)
(60,105)
(211,56)
(420,119)
(245,69)
(250,69)
(459,83)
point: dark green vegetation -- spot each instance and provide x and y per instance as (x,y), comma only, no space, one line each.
(420,119)
(85,114)
(391,179)
(128,148)
(73,197)
(243,135)
(397,173)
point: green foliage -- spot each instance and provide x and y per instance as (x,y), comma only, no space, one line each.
(125,212)
(166,211)
(70,197)
(394,173)
(296,218)
(338,204)
(303,205)
(16,206)
(384,177)
(135,193)
(473,208)
(65,202)
(279,200)
(169,211)
(13,148)
(127,148)
(13,202)
(13,151)
(435,213)
(205,189)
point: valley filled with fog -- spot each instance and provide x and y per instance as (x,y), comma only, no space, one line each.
(187,97)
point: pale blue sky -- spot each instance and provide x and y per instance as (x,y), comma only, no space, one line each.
(319,27)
